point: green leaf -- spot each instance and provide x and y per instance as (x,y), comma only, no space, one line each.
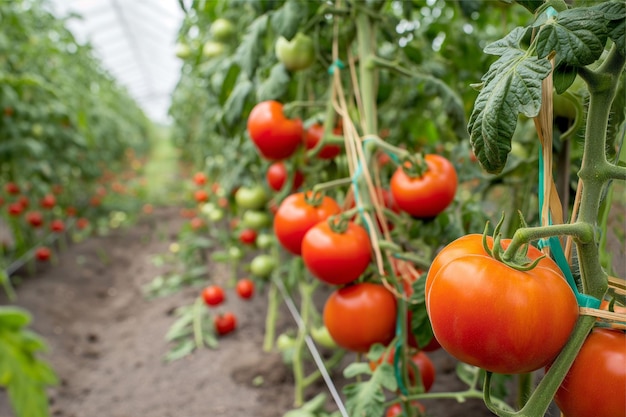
(366,399)
(276,85)
(228,84)
(233,108)
(13,318)
(615,13)
(181,350)
(511,86)
(251,48)
(356,368)
(288,19)
(577,36)
(563,77)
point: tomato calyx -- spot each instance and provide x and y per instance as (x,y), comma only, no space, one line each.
(314,198)
(414,165)
(518,261)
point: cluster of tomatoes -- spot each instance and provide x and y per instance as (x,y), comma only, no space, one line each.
(214,295)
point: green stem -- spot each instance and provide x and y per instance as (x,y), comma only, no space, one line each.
(331,184)
(367,71)
(329,364)
(524,388)
(460,397)
(270,318)
(198,309)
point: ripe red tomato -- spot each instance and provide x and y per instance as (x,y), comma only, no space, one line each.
(199,178)
(336,258)
(276,176)
(12,188)
(359,315)
(23,201)
(313,135)
(595,385)
(48,201)
(428,195)
(213,295)
(82,223)
(247,236)
(245,288)
(196,223)
(57,225)
(15,209)
(71,211)
(420,360)
(490,315)
(225,323)
(34,218)
(296,216)
(95,201)
(396,409)
(275,136)
(201,196)
(43,253)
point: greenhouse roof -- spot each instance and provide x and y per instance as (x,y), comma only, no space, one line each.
(135,41)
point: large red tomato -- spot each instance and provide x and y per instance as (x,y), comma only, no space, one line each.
(336,258)
(490,315)
(296,216)
(357,316)
(311,138)
(595,385)
(276,176)
(275,136)
(428,195)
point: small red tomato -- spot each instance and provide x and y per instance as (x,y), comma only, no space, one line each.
(82,223)
(23,201)
(274,135)
(48,201)
(245,288)
(213,295)
(201,196)
(57,189)
(199,178)
(43,253)
(225,323)
(57,226)
(396,409)
(196,223)
(15,209)
(429,194)
(34,218)
(311,138)
(276,176)
(95,201)
(71,211)
(247,236)
(12,188)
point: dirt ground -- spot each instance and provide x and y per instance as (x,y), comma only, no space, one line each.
(107,341)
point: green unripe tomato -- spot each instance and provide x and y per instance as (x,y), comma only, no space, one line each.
(216,215)
(183,51)
(323,337)
(222,29)
(256,219)
(251,198)
(211,49)
(297,54)
(264,241)
(262,265)
(234,253)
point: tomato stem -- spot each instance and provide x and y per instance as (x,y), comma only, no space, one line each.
(318,188)
(270,318)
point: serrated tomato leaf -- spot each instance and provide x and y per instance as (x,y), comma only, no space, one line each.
(577,36)
(511,86)
(289,18)
(366,399)
(276,85)
(251,48)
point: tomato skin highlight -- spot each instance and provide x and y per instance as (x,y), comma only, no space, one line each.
(275,136)
(296,216)
(336,258)
(213,295)
(245,288)
(276,177)
(426,196)
(225,323)
(595,385)
(490,315)
(359,315)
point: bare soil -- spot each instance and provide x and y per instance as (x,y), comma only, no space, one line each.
(107,340)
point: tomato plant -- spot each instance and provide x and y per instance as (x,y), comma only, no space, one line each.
(359,315)
(296,215)
(274,135)
(509,332)
(225,323)
(201,196)
(213,295)
(311,138)
(336,254)
(419,360)
(428,193)
(245,288)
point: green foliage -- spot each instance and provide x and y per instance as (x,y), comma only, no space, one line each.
(366,399)
(22,373)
